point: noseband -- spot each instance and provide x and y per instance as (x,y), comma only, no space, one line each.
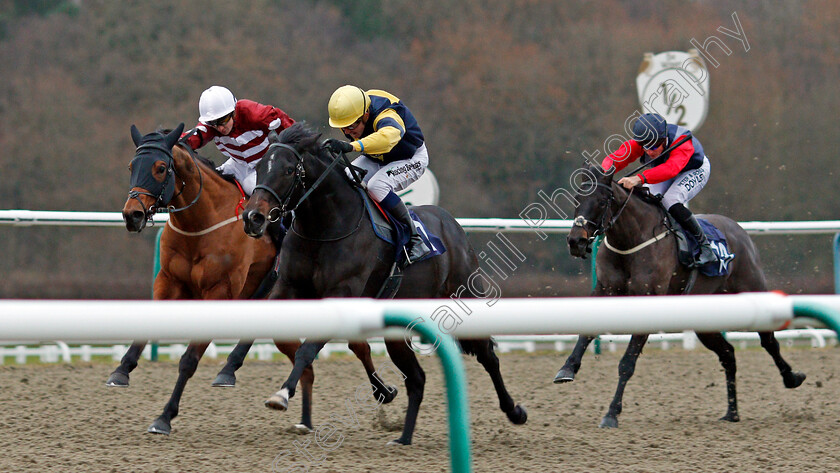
(160,191)
(600,227)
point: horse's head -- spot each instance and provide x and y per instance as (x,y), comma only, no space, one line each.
(594,198)
(281,178)
(152,176)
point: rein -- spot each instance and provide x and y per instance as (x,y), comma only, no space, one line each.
(300,174)
(192,154)
(170,172)
(600,228)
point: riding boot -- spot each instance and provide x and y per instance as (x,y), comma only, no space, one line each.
(415,249)
(691,225)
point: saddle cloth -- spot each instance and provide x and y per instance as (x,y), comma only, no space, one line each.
(689,248)
(395,233)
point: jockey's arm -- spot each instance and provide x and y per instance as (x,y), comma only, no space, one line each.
(258,116)
(198,139)
(628,152)
(390,129)
(671,167)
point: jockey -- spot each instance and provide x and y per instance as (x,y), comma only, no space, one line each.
(393,149)
(239,129)
(678,175)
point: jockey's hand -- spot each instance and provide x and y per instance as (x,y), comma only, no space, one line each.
(630,182)
(338,146)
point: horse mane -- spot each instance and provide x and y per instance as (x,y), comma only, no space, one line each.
(640,192)
(300,135)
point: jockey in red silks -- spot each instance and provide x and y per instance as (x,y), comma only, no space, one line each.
(677,175)
(239,129)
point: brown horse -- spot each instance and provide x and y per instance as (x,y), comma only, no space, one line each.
(625,267)
(204,254)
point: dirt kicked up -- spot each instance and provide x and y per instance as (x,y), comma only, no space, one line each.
(63,418)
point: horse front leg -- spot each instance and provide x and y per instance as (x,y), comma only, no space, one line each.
(307,379)
(415,382)
(626,368)
(726,354)
(304,357)
(382,393)
(791,379)
(119,377)
(186,369)
(226,377)
(572,364)
(485,355)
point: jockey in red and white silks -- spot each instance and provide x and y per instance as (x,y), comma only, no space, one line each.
(239,129)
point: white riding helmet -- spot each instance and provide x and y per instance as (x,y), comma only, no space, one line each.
(215,103)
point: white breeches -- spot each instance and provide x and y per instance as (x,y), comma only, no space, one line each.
(396,176)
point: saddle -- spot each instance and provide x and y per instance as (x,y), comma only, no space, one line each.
(390,230)
(688,248)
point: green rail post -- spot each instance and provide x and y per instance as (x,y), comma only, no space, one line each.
(155,272)
(826,315)
(595,245)
(836,251)
(456,385)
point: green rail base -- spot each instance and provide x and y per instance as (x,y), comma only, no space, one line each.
(595,245)
(155,272)
(814,310)
(456,385)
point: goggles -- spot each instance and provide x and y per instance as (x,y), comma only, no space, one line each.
(220,122)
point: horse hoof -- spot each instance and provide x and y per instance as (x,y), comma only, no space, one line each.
(160,426)
(730,417)
(117,380)
(385,396)
(794,380)
(302,429)
(398,442)
(518,415)
(224,380)
(278,401)
(565,375)
(608,423)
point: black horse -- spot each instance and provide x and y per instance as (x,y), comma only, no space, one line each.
(330,251)
(628,221)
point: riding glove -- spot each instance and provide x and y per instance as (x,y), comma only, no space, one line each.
(338,146)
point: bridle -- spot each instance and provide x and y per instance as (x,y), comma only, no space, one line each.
(283,209)
(162,192)
(600,227)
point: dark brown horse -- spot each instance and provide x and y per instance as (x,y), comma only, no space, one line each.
(627,222)
(331,251)
(204,254)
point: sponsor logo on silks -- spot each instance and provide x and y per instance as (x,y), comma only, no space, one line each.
(724,256)
(403,169)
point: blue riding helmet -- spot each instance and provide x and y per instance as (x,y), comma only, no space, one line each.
(649,130)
